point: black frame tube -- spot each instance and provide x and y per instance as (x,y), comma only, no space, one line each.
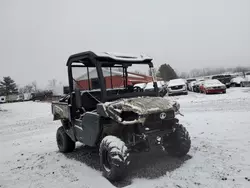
(98,65)
(126,76)
(111,79)
(88,78)
(123,71)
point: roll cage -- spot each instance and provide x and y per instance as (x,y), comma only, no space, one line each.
(98,61)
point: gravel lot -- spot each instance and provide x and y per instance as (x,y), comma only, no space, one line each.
(219,126)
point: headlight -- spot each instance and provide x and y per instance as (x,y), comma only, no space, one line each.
(129,116)
(176,106)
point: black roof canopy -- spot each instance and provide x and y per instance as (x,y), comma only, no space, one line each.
(107,59)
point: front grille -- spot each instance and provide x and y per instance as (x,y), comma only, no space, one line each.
(217,87)
(176,87)
(153,121)
(156,116)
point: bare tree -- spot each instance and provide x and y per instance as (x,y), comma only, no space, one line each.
(27,89)
(52,83)
(34,85)
(214,71)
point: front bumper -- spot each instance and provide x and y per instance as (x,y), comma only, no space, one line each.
(151,137)
(215,90)
(180,91)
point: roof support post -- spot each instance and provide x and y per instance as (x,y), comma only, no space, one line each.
(88,77)
(111,77)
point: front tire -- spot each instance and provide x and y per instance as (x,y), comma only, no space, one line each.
(64,142)
(114,158)
(178,143)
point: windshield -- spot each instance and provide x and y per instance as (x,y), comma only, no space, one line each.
(210,82)
(118,81)
(177,81)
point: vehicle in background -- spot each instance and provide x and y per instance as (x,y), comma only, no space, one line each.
(177,86)
(246,81)
(242,80)
(140,85)
(161,85)
(237,81)
(27,96)
(12,98)
(188,81)
(223,78)
(20,98)
(191,85)
(196,85)
(212,86)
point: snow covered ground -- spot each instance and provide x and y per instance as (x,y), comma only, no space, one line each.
(219,126)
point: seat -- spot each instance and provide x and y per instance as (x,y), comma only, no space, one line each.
(88,99)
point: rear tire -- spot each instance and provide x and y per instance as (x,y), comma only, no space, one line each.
(178,143)
(64,142)
(114,158)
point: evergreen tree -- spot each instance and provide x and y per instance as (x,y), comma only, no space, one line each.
(166,72)
(8,86)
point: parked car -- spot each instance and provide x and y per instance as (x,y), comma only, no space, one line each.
(189,81)
(141,85)
(177,86)
(190,85)
(237,81)
(196,85)
(246,81)
(212,86)
(161,85)
(223,78)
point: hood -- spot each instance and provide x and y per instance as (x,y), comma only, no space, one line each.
(139,106)
(142,105)
(213,84)
(237,80)
(176,82)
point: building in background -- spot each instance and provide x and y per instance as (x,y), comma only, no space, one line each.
(112,80)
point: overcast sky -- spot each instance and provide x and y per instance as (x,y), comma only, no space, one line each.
(37,37)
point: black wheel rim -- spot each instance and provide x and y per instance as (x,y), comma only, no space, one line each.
(106,160)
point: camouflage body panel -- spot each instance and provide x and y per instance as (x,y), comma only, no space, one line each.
(143,106)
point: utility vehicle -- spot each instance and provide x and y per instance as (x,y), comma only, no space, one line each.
(116,120)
